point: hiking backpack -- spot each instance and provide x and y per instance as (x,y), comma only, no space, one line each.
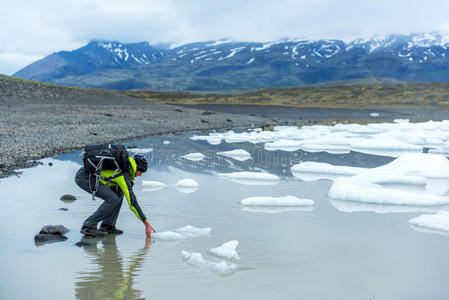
(99,157)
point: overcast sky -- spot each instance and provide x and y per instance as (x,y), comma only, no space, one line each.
(32,29)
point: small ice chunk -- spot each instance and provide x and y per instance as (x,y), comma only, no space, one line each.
(191,231)
(181,233)
(187,182)
(196,259)
(140,150)
(152,185)
(276,209)
(276,201)
(227,250)
(168,236)
(385,144)
(194,156)
(166,142)
(374,114)
(438,223)
(237,154)
(251,178)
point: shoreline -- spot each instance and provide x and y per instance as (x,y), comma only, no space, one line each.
(57,129)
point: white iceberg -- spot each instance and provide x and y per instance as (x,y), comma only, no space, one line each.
(325,168)
(227,250)
(194,156)
(276,201)
(276,209)
(196,259)
(251,178)
(437,223)
(166,142)
(237,154)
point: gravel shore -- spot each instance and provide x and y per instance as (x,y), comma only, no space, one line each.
(38,120)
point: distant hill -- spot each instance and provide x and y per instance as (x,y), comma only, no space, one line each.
(229,65)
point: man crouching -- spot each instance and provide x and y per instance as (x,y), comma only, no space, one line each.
(112,186)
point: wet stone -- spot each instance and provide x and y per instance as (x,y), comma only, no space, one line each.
(68,198)
(82,244)
(53,229)
(63,209)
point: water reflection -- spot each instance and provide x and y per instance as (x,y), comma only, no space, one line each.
(111,279)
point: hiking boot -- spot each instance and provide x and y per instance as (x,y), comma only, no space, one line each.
(110,229)
(91,231)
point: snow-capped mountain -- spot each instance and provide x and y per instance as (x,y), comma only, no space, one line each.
(233,65)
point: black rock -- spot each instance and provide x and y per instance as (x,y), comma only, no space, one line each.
(63,209)
(82,244)
(50,164)
(53,229)
(228,120)
(68,198)
(43,238)
(178,110)
(206,113)
(204,121)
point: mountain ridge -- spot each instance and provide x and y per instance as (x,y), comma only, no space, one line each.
(234,65)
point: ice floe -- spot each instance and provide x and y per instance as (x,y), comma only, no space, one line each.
(276,201)
(388,139)
(186,185)
(153,185)
(276,209)
(435,223)
(140,150)
(166,142)
(188,231)
(196,259)
(251,178)
(194,156)
(237,154)
(227,250)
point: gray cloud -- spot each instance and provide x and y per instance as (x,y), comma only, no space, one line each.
(33,29)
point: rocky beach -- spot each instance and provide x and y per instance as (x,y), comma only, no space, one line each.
(39,120)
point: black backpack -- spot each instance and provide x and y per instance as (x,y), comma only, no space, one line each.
(99,157)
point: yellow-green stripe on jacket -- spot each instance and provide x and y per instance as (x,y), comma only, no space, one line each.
(125,182)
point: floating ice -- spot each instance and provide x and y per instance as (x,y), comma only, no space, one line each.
(351,206)
(187,182)
(196,259)
(166,142)
(276,201)
(251,178)
(437,223)
(182,233)
(194,156)
(374,114)
(387,139)
(238,154)
(350,189)
(276,209)
(140,150)
(325,168)
(227,250)
(153,185)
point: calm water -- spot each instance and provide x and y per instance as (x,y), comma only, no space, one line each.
(315,253)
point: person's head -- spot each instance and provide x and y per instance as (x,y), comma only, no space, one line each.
(141,163)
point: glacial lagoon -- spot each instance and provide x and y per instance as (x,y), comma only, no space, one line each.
(324,248)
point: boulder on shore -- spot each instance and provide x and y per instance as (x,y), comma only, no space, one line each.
(68,198)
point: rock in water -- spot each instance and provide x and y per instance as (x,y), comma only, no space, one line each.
(82,244)
(44,238)
(63,209)
(68,198)
(53,229)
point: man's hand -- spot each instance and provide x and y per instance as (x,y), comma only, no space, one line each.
(148,228)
